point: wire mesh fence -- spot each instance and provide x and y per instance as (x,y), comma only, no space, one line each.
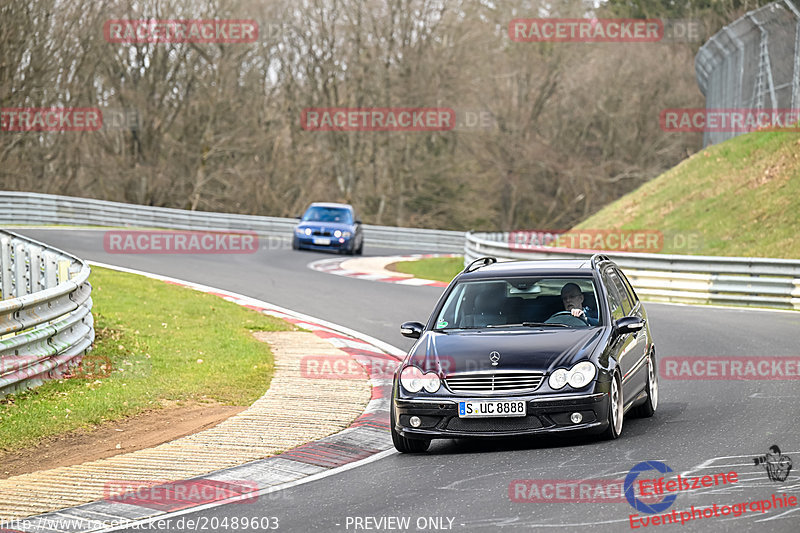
(753,63)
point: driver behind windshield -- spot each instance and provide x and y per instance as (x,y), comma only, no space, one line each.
(572,297)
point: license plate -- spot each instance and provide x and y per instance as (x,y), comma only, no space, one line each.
(321,241)
(485,409)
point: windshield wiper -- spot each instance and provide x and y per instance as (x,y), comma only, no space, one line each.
(530,325)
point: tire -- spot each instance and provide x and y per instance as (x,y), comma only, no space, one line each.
(406,445)
(360,249)
(295,243)
(648,408)
(615,410)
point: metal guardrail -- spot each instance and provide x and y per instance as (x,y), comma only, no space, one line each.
(46,324)
(739,281)
(44,209)
(674,278)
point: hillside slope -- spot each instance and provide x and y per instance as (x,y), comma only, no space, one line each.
(742,197)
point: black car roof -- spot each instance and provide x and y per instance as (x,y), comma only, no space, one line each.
(542,267)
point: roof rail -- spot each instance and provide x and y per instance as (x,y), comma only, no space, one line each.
(485,261)
(598,258)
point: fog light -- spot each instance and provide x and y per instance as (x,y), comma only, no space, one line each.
(576,418)
(416,422)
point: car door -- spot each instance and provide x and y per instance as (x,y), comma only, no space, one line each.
(626,348)
(643,341)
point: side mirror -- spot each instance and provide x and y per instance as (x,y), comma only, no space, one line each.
(412,329)
(298,217)
(358,221)
(628,324)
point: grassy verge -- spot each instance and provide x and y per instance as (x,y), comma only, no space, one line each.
(739,198)
(156,344)
(435,268)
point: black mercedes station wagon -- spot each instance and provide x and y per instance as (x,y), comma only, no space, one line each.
(523,348)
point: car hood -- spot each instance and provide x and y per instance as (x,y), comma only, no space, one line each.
(332,226)
(540,350)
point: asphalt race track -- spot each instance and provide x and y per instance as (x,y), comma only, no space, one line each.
(701,427)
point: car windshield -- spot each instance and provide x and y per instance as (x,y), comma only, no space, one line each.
(521,302)
(328,214)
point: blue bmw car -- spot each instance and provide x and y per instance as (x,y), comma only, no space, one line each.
(329,226)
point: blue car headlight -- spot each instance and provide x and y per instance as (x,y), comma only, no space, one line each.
(337,233)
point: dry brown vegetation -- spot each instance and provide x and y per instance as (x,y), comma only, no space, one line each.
(573,126)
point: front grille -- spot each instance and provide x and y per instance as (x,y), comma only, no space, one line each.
(494,424)
(321,233)
(494,382)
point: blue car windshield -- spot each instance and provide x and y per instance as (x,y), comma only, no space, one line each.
(328,214)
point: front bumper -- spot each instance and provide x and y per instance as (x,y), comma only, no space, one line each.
(545,414)
(308,243)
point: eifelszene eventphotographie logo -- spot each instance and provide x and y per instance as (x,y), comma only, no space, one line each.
(776,464)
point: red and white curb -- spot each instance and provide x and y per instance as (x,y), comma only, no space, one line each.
(350,268)
(366,440)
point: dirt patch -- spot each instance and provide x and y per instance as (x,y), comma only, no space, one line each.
(142,431)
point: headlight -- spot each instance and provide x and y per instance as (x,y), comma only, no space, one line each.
(308,231)
(431,382)
(346,234)
(413,380)
(558,379)
(581,374)
(578,376)
(337,233)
